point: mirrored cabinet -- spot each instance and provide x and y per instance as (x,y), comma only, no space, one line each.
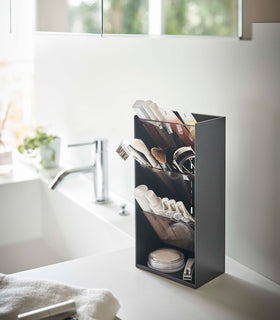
(172,17)
(73,16)
(140,17)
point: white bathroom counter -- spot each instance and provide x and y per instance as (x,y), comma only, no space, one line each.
(20,173)
(240,293)
(78,189)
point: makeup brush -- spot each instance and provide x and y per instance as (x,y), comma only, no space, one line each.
(160,155)
(140,146)
(125,150)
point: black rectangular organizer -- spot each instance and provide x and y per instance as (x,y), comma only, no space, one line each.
(204,196)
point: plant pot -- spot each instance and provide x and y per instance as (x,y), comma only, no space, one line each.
(50,153)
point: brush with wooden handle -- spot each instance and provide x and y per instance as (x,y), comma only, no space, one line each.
(160,156)
(140,146)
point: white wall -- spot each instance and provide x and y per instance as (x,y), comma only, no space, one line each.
(16,45)
(85,86)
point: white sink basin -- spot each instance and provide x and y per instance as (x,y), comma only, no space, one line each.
(39,227)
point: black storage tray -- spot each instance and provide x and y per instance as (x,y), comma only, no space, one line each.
(203,195)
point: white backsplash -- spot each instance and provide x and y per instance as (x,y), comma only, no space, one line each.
(16,95)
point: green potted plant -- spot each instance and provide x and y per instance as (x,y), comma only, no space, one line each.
(48,144)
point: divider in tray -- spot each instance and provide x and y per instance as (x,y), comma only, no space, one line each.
(176,233)
(172,185)
(172,138)
(168,134)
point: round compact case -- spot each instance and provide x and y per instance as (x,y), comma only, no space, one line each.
(166,260)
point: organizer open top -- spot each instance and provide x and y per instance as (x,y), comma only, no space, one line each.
(195,179)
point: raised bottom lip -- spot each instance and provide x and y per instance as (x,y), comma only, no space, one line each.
(165,269)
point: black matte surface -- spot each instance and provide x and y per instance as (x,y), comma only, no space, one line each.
(209,202)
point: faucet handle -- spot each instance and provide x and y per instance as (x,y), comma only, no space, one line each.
(81,144)
(123,211)
(101,144)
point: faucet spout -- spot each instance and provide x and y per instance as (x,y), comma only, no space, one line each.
(65,172)
(99,169)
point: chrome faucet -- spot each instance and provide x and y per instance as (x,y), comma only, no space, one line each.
(99,169)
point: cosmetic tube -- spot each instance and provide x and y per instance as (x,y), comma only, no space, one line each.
(154,201)
(139,194)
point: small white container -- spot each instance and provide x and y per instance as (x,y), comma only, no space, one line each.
(50,153)
(166,260)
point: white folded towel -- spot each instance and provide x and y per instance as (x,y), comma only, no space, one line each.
(19,295)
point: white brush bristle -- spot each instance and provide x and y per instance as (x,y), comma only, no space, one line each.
(122,152)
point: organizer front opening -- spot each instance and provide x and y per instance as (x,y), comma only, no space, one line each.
(164,194)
